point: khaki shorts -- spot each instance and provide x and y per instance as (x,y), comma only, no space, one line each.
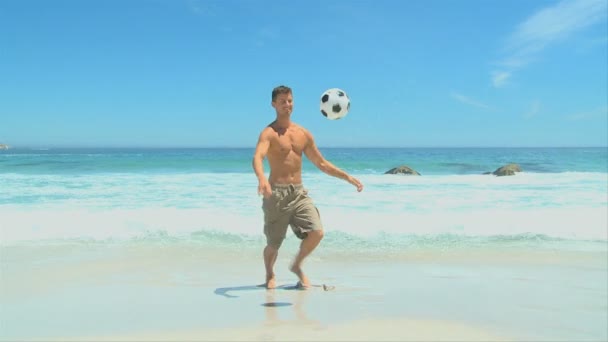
(289,205)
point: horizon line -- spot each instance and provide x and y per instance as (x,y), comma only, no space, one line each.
(11,147)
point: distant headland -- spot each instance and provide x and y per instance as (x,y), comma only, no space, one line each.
(4,147)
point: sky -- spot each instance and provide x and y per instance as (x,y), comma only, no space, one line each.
(199,73)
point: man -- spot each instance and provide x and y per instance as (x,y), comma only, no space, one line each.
(285,201)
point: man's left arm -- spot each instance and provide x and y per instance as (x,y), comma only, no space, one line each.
(314,155)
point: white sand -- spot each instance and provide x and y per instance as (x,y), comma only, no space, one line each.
(180,292)
(358,330)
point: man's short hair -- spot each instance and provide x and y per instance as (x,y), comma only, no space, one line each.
(280,90)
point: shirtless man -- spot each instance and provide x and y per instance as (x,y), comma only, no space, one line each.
(285,201)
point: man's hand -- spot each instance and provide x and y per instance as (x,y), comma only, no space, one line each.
(264,189)
(354,181)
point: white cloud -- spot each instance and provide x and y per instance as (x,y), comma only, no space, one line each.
(554,23)
(533,110)
(546,27)
(202,8)
(469,101)
(266,34)
(500,78)
(601,112)
(591,43)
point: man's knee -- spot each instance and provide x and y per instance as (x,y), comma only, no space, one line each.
(274,243)
(316,234)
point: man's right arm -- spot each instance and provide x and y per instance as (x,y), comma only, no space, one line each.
(258,163)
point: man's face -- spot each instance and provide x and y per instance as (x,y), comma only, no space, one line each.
(283,103)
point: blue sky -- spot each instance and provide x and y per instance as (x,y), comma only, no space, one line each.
(198,73)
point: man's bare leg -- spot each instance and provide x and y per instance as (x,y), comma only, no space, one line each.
(306,247)
(270,257)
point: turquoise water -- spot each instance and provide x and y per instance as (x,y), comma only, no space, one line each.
(428,161)
(210,196)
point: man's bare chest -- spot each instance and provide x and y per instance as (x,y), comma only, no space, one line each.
(288,142)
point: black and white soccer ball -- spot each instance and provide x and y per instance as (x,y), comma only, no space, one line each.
(335,104)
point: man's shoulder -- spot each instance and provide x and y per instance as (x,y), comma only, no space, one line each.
(268,128)
(299,127)
(304,131)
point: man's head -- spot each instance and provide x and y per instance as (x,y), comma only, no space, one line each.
(280,90)
(282,100)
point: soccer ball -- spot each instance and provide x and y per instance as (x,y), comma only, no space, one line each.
(335,104)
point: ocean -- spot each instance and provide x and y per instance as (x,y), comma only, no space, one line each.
(166,245)
(209,195)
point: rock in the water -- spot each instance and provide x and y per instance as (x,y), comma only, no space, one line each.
(404,170)
(507,170)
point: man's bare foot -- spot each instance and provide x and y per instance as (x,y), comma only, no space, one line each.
(271,283)
(304,282)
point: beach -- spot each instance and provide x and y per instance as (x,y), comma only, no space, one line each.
(166,245)
(188,292)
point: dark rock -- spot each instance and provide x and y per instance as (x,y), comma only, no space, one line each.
(507,170)
(403,169)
